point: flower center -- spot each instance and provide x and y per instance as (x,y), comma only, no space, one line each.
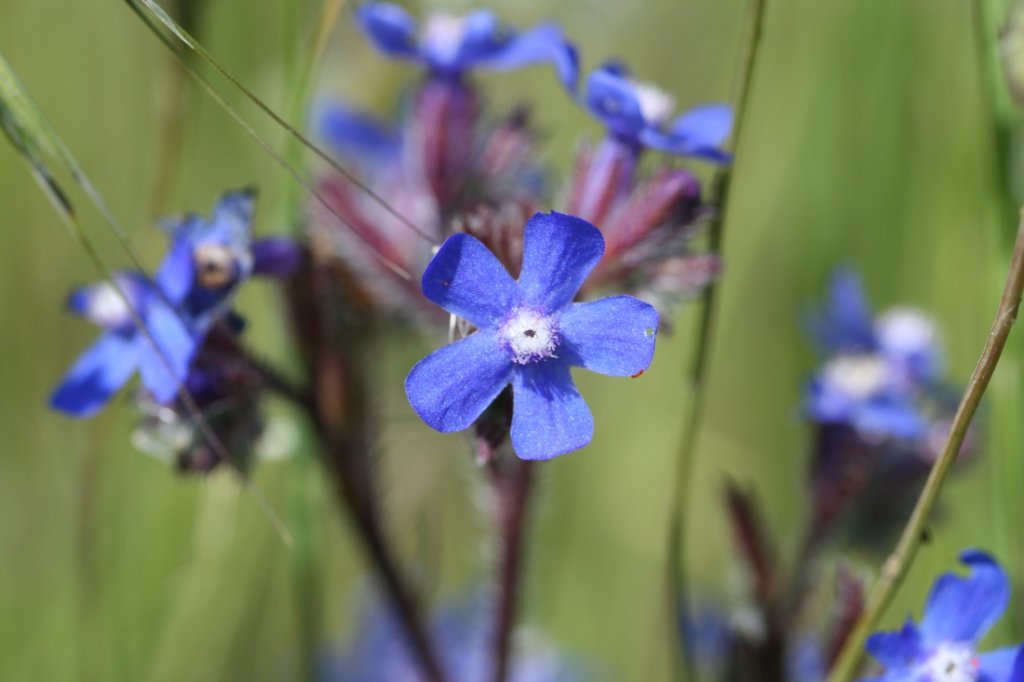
(529,336)
(215,265)
(952,662)
(858,376)
(655,104)
(443,35)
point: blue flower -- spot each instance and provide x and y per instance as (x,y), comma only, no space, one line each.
(460,635)
(450,45)
(191,290)
(122,349)
(529,333)
(637,115)
(943,648)
(876,370)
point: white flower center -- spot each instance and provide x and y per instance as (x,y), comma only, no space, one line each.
(530,336)
(905,331)
(858,376)
(952,662)
(442,35)
(107,307)
(655,104)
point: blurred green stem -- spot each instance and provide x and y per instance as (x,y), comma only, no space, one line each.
(896,566)
(701,360)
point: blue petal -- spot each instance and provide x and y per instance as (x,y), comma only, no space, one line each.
(1002,665)
(845,323)
(612,98)
(177,347)
(102,305)
(390,28)
(478,37)
(612,336)
(354,134)
(97,374)
(559,251)
(466,279)
(707,126)
(889,415)
(549,417)
(234,211)
(177,273)
(452,386)
(699,132)
(962,609)
(896,649)
(276,257)
(543,43)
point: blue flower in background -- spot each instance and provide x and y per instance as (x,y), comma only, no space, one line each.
(529,334)
(875,371)
(360,137)
(450,45)
(637,115)
(191,290)
(461,636)
(122,349)
(943,648)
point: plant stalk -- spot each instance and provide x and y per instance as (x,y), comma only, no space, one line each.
(701,360)
(513,488)
(898,564)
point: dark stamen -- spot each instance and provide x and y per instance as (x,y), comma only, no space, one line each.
(530,333)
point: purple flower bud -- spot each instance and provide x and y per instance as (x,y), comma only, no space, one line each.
(277,257)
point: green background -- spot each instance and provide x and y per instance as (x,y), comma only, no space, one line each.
(870,140)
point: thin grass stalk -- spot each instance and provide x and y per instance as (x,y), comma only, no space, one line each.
(269,150)
(721,183)
(27,129)
(182,35)
(895,568)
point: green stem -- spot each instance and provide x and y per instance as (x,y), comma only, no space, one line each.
(898,564)
(695,411)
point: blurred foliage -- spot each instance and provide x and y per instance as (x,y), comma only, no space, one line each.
(870,141)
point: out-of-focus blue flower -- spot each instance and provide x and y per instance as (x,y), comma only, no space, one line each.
(637,115)
(192,288)
(943,648)
(529,333)
(461,636)
(449,45)
(875,371)
(358,136)
(122,349)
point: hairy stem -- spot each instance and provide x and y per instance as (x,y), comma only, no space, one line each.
(695,410)
(896,566)
(513,487)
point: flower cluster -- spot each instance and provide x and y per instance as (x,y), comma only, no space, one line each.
(446,168)
(880,405)
(178,332)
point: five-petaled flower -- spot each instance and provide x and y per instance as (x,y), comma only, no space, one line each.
(529,333)
(637,116)
(450,45)
(943,648)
